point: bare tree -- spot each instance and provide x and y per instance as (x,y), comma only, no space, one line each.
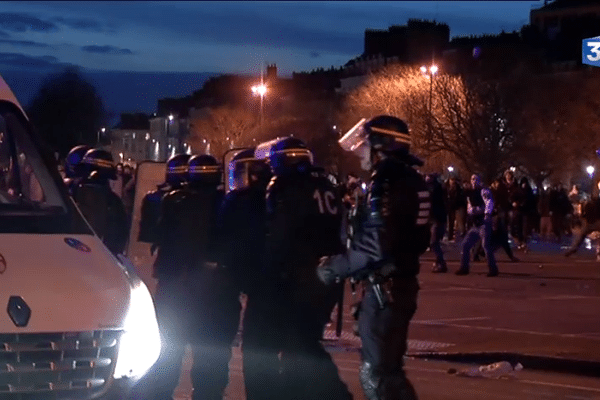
(67,111)
(222,128)
(557,120)
(446,115)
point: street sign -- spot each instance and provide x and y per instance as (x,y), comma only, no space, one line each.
(590,51)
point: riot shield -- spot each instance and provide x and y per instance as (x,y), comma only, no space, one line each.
(227,174)
(148,175)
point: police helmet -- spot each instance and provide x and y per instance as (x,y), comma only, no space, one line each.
(73,161)
(177,169)
(101,162)
(285,155)
(384,133)
(244,165)
(205,169)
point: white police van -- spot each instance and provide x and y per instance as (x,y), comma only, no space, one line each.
(75,322)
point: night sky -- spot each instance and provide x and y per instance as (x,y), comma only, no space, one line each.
(188,40)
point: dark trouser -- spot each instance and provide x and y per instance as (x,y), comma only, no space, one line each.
(200,310)
(558,225)
(262,342)
(586,229)
(437,234)
(308,369)
(516,226)
(384,340)
(476,233)
(451,221)
(499,239)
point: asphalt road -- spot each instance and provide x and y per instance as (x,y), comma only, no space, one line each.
(432,381)
(544,305)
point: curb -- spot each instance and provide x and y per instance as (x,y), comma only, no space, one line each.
(541,363)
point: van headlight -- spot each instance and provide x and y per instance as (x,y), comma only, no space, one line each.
(140,342)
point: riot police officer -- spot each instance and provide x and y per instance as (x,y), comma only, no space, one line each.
(393,231)
(102,208)
(196,299)
(243,234)
(73,171)
(175,177)
(304,212)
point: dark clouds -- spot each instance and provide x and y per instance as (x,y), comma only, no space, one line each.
(24,43)
(83,24)
(4,34)
(106,50)
(235,23)
(314,54)
(21,22)
(16,60)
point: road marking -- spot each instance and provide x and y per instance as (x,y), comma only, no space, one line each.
(568,297)
(452,288)
(438,321)
(491,328)
(584,334)
(561,385)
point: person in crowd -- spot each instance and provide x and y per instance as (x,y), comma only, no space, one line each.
(516,200)
(479,209)
(590,222)
(499,228)
(545,216)
(528,211)
(439,217)
(455,203)
(116,185)
(560,208)
(128,189)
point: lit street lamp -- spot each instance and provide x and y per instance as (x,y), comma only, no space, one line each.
(98,139)
(260,90)
(168,121)
(431,71)
(590,170)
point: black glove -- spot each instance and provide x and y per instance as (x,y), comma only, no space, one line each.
(325,272)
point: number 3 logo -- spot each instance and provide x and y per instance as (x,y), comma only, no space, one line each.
(326,198)
(595,49)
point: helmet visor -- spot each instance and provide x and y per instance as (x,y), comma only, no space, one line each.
(354,137)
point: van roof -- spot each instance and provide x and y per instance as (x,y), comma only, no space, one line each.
(7,95)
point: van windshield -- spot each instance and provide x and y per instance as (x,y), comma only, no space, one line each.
(30,199)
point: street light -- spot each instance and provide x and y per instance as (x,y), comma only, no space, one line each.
(168,122)
(98,139)
(451,169)
(590,170)
(430,72)
(260,90)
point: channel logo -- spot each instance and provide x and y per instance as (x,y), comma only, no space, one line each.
(590,51)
